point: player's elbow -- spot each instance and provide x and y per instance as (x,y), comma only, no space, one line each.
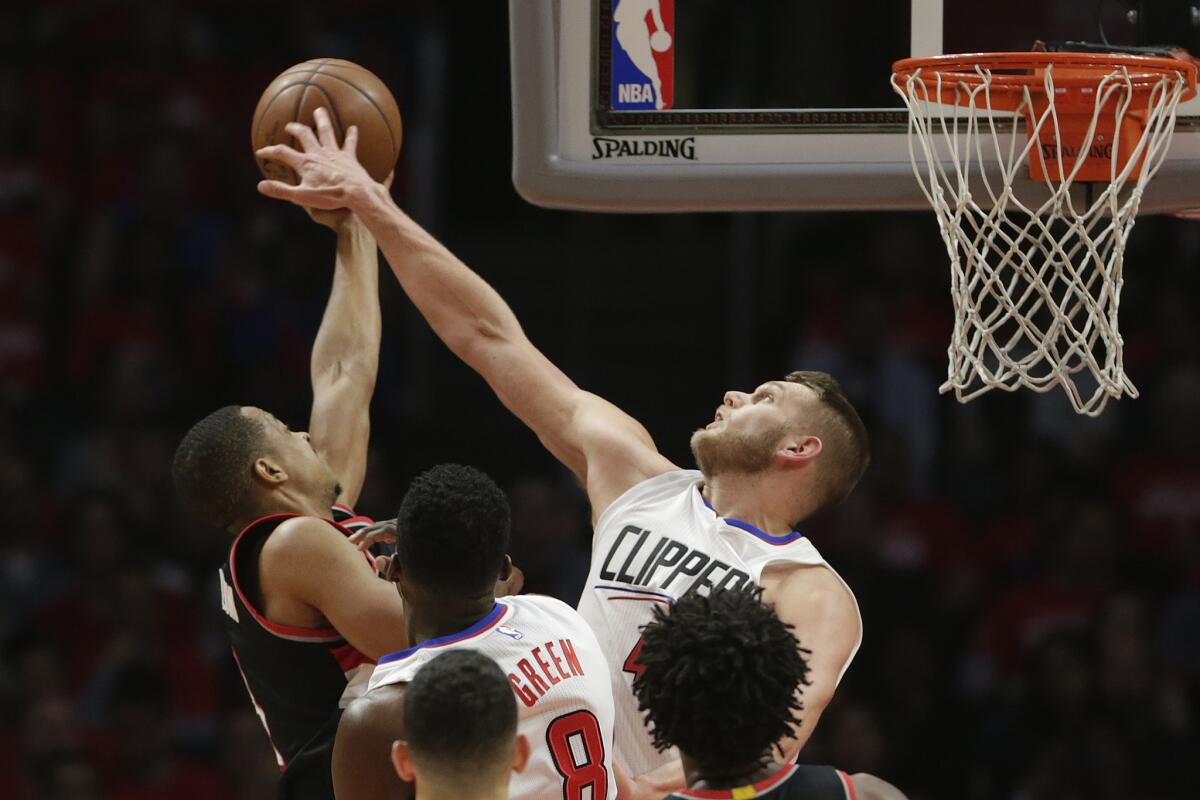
(356,371)
(484,345)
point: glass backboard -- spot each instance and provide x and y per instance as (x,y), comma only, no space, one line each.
(659,105)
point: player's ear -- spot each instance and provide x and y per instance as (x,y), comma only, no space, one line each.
(506,568)
(268,470)
(799,449)
(402,760)
(520,754)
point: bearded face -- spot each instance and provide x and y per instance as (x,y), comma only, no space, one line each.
(725,450)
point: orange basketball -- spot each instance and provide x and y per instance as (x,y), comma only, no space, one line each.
(351,94)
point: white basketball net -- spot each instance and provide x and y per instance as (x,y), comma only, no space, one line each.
(1035,287)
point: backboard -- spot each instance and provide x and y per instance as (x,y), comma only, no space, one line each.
(774,104)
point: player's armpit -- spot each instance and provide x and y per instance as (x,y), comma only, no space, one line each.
(362,765)
(309,561)
(608,450)
(618,451)
(824,618)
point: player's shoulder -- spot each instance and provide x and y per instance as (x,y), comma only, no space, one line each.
(376,710)
(298,538)
(299,530)
(815,587)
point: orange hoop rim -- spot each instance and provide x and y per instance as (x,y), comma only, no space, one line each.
(1086,70)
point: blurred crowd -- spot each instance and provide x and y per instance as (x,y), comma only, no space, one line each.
(1029,580)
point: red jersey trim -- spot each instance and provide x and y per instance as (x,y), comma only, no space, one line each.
(282,631)
(848,784)
(348,658)
(761,787)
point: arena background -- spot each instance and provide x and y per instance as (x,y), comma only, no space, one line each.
(1029,580)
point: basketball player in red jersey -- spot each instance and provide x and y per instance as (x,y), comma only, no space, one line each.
(305,612)
(768,460)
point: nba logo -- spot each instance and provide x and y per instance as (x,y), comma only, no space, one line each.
(643,54)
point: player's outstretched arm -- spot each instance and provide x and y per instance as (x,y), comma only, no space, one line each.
(307,561)
(607,449)
(345,354)
(362,764)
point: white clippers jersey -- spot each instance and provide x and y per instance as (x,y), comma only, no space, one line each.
(654,544)
(561,679)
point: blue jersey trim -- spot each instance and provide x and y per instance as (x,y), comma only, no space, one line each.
(479,627)
(787,538)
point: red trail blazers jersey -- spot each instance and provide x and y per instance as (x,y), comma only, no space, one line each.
(298,678)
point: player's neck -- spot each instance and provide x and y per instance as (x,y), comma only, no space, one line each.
(767,500)
(445,618)
(698,777)
(433,791)
(282,501)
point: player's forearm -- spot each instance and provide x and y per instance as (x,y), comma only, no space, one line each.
(657,784)
(347,344)
(463,310)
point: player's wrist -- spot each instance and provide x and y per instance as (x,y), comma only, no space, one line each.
(374,206)
(370,201)
(351,232)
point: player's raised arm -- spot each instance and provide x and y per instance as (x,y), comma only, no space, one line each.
(345,354)
(606,448)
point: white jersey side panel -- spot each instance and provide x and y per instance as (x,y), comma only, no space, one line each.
(654,544)
(561,680)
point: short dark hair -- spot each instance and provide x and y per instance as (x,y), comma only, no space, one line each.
(213,466)
(459,710)
(718,678)
(843,433)
(453,529)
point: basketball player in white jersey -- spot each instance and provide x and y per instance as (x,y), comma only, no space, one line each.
(460,727)
(769,459)
(452,538)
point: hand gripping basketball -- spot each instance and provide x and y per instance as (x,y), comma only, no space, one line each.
(330,176)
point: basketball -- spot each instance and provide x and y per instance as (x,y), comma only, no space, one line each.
(352,95)
(660,41)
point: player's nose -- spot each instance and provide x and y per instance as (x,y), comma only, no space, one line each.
(734,399)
